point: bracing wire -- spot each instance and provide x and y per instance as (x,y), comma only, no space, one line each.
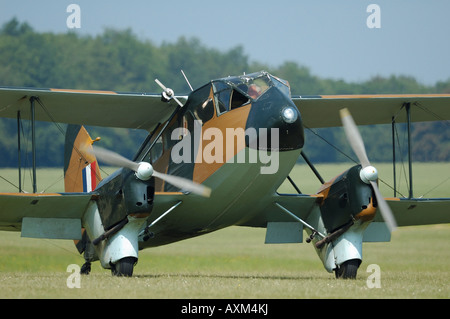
(64,133)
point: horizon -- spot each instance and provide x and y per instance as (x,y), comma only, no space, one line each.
(350,40)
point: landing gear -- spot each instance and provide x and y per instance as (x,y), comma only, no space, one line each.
(86,268)
(124,267)
(348,269)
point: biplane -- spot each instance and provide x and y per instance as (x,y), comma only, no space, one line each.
(213,158)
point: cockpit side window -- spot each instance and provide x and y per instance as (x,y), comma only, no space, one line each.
(228,98)
(238,99)
(222,94)
(202,104)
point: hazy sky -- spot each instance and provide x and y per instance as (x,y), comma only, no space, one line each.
(330,37)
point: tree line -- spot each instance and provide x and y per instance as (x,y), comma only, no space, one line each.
(118,60)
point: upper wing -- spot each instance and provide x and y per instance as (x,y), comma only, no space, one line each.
(97,108)
(56,216)
(323,110)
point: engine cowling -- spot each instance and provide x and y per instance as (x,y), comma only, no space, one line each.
(123,194)
(346,198)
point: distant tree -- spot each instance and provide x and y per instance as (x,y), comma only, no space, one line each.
(119,60)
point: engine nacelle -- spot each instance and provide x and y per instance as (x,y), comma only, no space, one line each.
(346,198)
(123,194)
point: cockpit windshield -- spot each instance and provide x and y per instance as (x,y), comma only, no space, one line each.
(255,84)
(236,91)
(282,85)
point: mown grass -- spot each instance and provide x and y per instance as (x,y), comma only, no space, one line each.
(234,263)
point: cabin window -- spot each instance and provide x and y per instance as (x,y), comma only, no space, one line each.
(238,99)
(222,95)
(202,104)
(253,87)
(228,98)
(157,150)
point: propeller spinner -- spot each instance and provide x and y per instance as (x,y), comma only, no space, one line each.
(368,173)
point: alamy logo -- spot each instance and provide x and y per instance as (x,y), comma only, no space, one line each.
(374,279)
(74,279)
(374,19)
(211,146)
(74,19)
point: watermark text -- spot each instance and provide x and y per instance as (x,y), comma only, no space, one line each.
(74,19)
(213,146)
(374,279)
(74,279)
(374,19)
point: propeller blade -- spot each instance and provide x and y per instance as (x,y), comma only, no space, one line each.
(384,208)
(184,184)
(169,92)
(115,159)
(354,137)
(357,144)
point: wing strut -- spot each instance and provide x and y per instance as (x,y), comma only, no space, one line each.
(33,140)
(32,100)
(394,156)
(407,107)
(408,113)
(313,168)
(314,231)
(19,160)
(146,232)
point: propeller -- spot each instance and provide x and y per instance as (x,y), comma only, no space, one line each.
(144,171)
(368,173)
(168,94)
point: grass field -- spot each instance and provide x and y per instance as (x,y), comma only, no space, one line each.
(234,262)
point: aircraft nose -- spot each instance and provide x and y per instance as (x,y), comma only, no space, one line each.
(275,110)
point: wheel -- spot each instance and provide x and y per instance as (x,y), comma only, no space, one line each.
(348,269)
(86,268)
(124,267)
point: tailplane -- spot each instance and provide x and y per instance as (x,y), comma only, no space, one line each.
(81,170)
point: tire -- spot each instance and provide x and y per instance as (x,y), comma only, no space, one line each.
(348,269)
(86,268)
(124,267)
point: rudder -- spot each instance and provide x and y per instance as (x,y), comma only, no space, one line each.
(81,170)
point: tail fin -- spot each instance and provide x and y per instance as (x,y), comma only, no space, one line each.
(81,170)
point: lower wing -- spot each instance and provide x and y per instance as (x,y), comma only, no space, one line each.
(55,216)
(420,211)
(287,215)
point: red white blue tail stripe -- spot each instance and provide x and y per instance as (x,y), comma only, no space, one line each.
(89,177)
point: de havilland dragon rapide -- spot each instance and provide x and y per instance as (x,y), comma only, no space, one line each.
(213,158)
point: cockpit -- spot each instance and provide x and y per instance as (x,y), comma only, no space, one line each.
(257,102)
(233,92)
